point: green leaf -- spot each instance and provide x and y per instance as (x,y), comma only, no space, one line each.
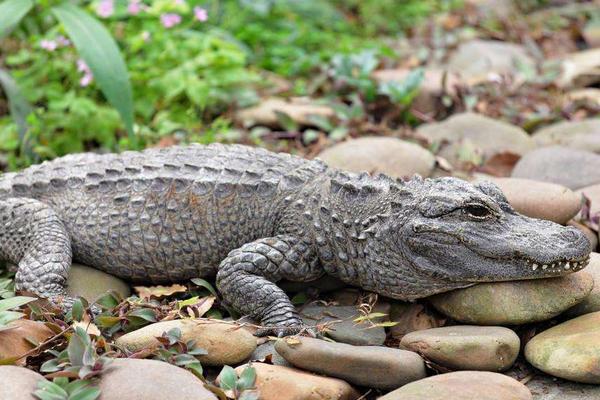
(144,313)
(19,107)
(370,316)
(88,393)
(247,379)
(228,378)
(101,53)
(77,346)
(7,317)
(206,285)
(14,302)
(11,12)
(77,310)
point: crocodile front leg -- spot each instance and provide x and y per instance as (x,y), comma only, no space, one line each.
(33,237)
(246,280)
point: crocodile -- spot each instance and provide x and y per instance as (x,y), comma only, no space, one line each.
(250,218)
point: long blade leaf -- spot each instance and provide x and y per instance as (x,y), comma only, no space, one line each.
(11,12)
(101,53)
(19,108)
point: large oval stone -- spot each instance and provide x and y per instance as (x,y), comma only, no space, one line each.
(134,379)
(17,383)
(386,155)
(91,283)
(584,134)
(562,165)
(465,347)
(371,366)
(592,302)
(463,385)
(593,194)
(226,344)
(541,200)
(275,382)
(570,350)
(515,302)
(476,135)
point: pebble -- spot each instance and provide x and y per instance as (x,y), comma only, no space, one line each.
(13,342)
(469,137)
(412,317)
(570,350)
(579,69)
(386,155)
(18,383)
(544,387)
(371,366)
(275,382)
(514,302)
(463,385)
(135,379)
(572,168)
(466,347)
(226,344)
(345,331)
(540,199)
(478,61)
(592,302)
(91,283)
(583,135)
(299,109)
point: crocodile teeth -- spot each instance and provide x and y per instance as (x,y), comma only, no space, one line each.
(534,267)
(567,266)
(544,266)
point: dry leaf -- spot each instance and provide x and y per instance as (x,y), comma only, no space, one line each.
(500,164)
(159,291)
(89,327)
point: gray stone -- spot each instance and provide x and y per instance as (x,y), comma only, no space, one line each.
(135,379)
(463,385)
(592,302)
(466,347)
(91,283)
(371,366)
(268,350)
(545,387)
(387,155)
(479,60)
(18,383)
(583,135)
(346,330)
(472,138)
(568,167)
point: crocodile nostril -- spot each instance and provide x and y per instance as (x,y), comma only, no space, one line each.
(571,234)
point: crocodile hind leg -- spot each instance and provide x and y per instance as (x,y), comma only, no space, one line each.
(33,237)
(246,280)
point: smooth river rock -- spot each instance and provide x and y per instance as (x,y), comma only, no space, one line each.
(545,387)
(568,167)
(463,385)
(412,317)
(18,383)
(515,302)
(135,379)
(593,194)
(386,155)
(226,344)
(570,350)
(371,366)
(540,199)
(343,328)
(466,347)
(299,109)
(91,283)
(467,135)
(275,382)
(584,134)
(592,302)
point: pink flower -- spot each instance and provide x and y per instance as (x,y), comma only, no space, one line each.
(179,2)
(200,14)
(49,45)
(87,77)
(169,20)
(62,41)
(105,8)
(134,7)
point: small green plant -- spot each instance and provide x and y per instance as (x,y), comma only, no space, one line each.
(123,314)
(242,388)
(61,389)
(7,306)
(183,354)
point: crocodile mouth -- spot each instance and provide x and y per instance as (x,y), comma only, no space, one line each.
(559,266)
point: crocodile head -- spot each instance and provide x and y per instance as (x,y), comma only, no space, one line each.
(447,233)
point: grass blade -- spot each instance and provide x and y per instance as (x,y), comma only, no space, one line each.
(11,12)
(19,109)
(101,53)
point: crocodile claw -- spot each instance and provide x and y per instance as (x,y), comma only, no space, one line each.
(288,330)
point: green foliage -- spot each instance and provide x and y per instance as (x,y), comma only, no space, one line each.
(183,354)
(11,13)
(123,315)
(242,387)
(10,303)
(61,389)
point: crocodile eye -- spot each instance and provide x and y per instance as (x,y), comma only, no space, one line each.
(477,211)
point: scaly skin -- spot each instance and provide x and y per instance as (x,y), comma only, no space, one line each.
(252,218)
